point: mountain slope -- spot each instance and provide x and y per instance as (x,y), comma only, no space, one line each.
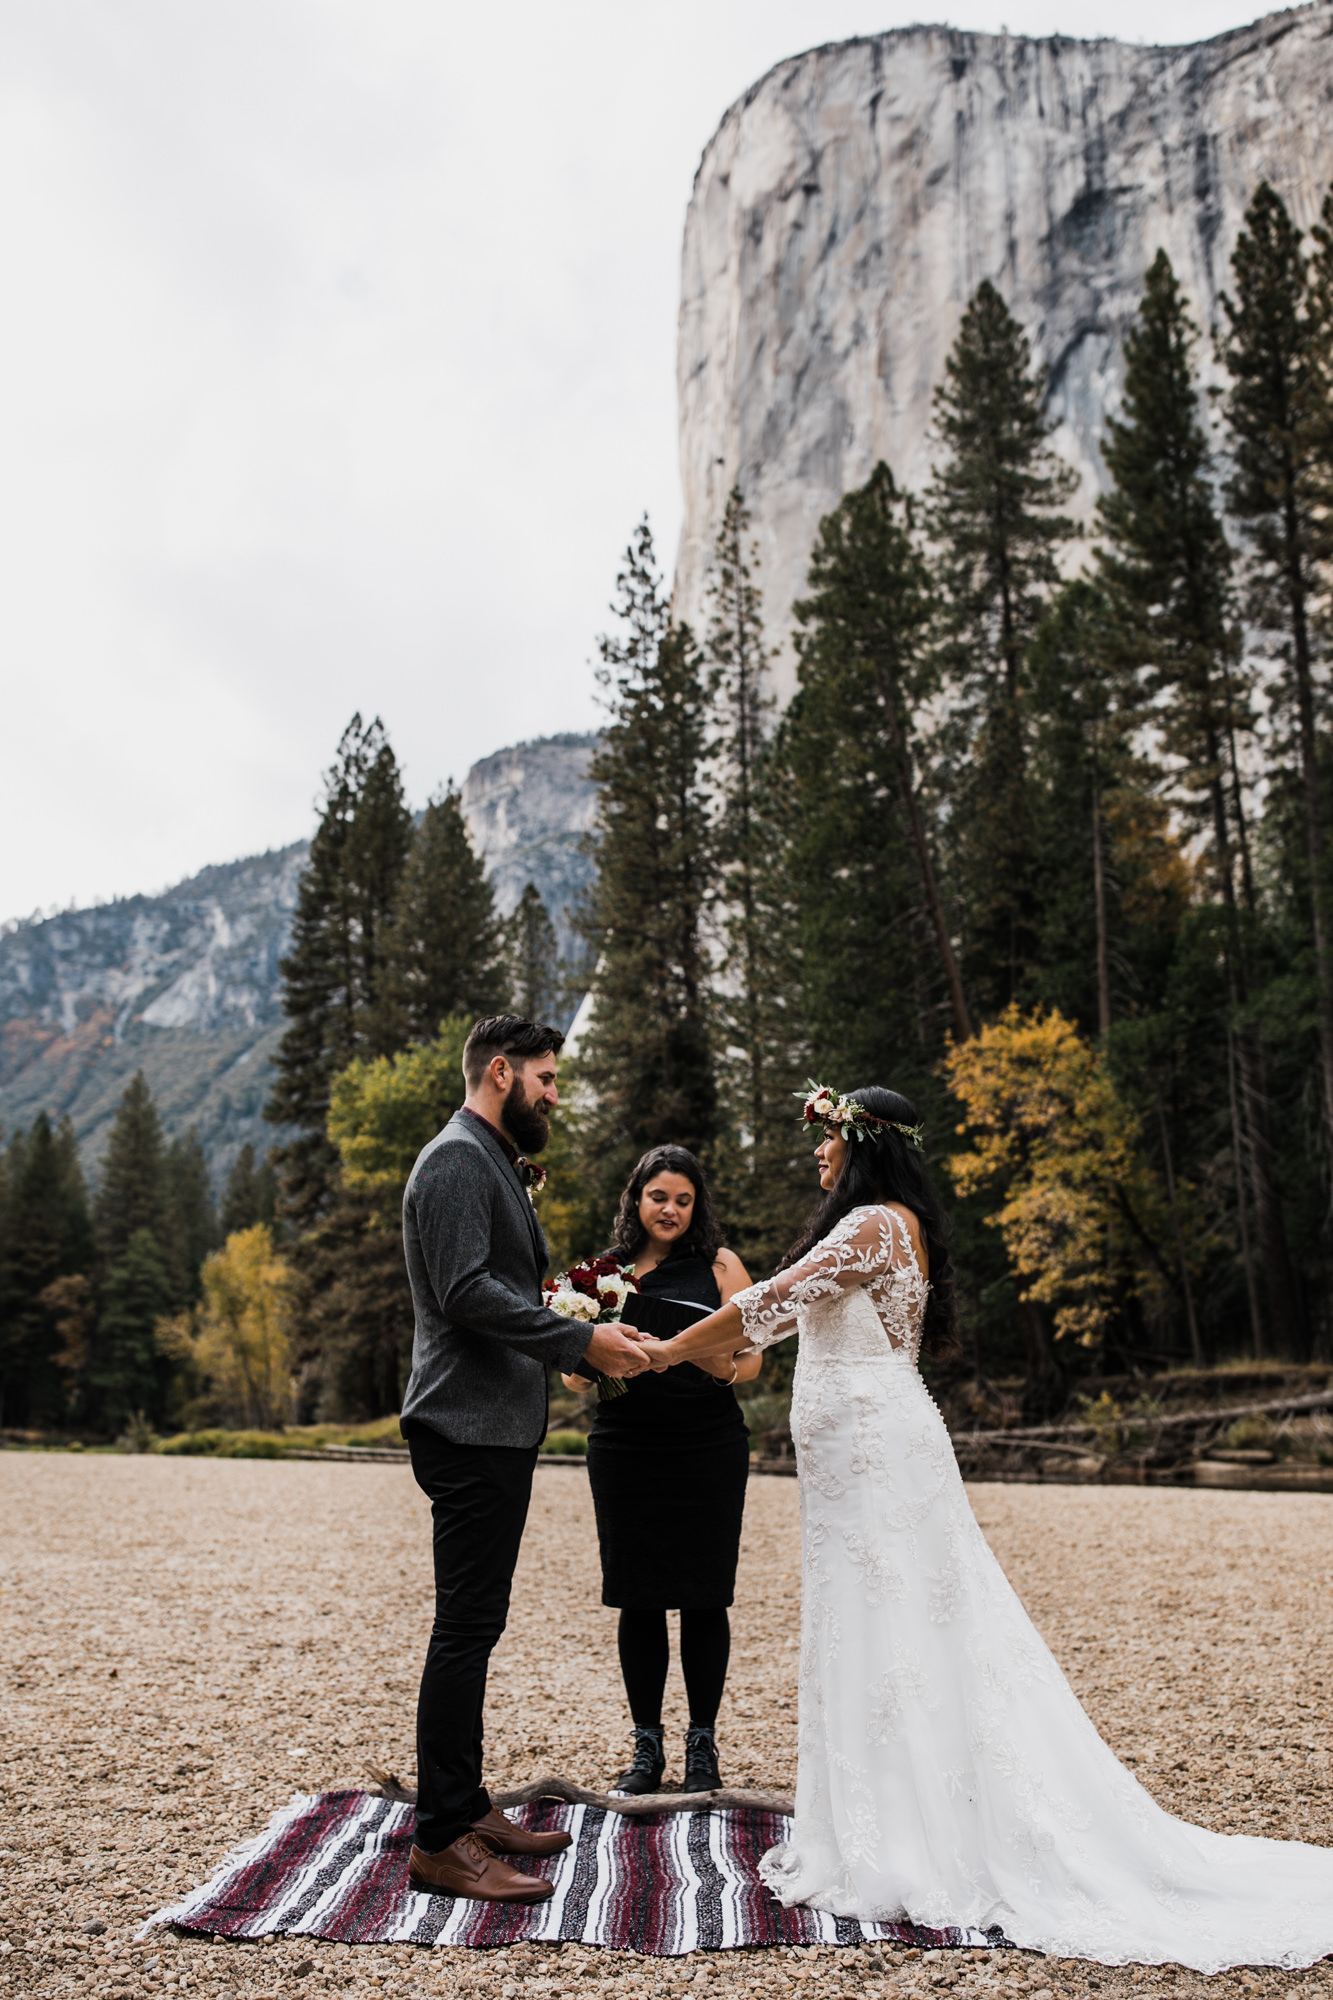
(186,987)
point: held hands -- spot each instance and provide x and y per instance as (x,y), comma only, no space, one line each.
(610,1351)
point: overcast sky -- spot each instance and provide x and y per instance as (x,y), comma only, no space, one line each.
(336,365)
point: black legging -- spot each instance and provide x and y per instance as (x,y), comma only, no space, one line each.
(705,1646)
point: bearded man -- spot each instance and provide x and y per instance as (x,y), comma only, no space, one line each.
(474,1415)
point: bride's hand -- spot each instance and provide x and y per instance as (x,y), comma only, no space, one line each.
(659,1360)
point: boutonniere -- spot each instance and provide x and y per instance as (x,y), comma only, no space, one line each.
(532,1176)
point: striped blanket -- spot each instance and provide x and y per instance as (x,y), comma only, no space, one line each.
(335,1866)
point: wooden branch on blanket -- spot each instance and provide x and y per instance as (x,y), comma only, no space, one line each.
(390,1786)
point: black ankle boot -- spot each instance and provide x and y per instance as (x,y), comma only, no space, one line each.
(701,1772)
(645,1773)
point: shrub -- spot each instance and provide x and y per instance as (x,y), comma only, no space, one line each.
(223,1444)
(1251,1434)
(566,1444)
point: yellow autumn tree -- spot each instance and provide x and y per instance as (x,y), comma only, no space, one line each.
(238,1337)
(1048,1130)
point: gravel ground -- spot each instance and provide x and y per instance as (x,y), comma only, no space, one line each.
(186,1642)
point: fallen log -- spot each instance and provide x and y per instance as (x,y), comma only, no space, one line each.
(728,1799)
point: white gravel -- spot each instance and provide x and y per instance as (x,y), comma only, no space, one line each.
(187,1642)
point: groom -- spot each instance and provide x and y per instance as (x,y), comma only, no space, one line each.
(473,1416)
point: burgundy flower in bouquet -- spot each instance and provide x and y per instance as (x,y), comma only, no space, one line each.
(594,1291)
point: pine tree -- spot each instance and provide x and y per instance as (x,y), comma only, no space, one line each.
(646,1060)
(993,513)
(1279,413)
(333,974)
(532,959)
(1167,573)
(445,947)
(865,626)
(194,1219)
(762,1172)
(131,1181)
(251,1194)
(128,1372)
(45,1235)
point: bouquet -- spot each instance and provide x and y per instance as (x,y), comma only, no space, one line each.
(594,1291)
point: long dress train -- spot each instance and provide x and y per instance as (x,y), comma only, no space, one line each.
(946,1772)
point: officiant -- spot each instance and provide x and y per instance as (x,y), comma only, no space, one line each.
(667,1464)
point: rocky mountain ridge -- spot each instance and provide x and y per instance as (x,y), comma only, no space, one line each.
(853,199)
(186,985)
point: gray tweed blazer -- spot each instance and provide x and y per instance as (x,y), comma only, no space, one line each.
(476,1257)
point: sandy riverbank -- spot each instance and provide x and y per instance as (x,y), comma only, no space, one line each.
(186,1642)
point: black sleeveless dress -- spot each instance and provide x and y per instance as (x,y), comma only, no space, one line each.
(667,1464)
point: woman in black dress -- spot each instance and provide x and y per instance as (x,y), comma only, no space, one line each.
(667,1463)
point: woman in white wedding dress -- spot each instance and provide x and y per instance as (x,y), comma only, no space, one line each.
(946,1772)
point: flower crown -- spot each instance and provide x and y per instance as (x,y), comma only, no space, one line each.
(824,1106)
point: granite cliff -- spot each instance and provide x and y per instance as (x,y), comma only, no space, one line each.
(851,202)
(185,985)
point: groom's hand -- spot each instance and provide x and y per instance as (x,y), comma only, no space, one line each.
(610,1351)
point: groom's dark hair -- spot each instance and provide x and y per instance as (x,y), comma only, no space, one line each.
(507,1035)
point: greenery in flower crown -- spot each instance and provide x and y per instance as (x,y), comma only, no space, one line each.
(824,1106)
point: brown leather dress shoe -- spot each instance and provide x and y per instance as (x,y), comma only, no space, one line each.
(471,1867)
(510,1839)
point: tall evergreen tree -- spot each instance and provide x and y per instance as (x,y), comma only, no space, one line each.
(131,1180)
(333,974)
(532,960)
(993,512)
(45,1235)
(646,1056)
(1085,708)
(1279,493)
(758,1030)
(1166,569)
(251,1193)
(445,948)
(127,1372)
(864,627)
(193,1211)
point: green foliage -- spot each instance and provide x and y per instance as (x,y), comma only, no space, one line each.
(646,1058)
(383,1110)
(566,1444)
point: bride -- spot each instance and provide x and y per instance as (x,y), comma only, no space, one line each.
(946,1772)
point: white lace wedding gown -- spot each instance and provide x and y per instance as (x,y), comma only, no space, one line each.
(946,1772)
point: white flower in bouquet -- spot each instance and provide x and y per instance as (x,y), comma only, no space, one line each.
(573,1305)
(613,1292)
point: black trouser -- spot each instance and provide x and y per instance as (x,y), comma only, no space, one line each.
(479,1498)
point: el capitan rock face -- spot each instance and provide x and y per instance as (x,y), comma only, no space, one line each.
(851,202)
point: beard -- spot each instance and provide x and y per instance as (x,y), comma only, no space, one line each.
(528,1123)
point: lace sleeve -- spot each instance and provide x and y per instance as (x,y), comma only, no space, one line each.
(864,1245)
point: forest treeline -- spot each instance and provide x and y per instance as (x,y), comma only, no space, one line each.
(1042,841)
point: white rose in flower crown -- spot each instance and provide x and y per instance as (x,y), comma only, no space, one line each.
(824,1106)
(613,1291)
(573,1305)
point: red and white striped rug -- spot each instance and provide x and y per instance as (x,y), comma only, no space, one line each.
(335,1866)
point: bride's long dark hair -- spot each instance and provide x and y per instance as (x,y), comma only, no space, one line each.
(883,1167)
